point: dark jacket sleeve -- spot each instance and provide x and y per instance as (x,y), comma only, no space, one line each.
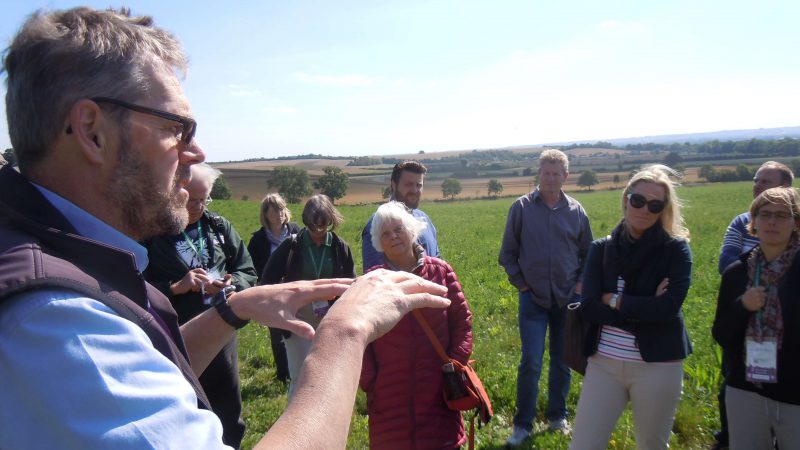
(731,318)
(258,247)
(665,307)
(238,262)
(593,309)
(348,265)
(275,269)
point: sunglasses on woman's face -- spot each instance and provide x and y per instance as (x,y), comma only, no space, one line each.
(638,201)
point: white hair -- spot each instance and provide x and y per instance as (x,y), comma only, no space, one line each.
(390,211)
(205,173)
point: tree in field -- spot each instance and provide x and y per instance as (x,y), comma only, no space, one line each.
(386,192)
(292,183)
(588,179)
(220,190)
(451,187)
(672,159)
(616,179)
(707,171)
(495,187)
(334,183)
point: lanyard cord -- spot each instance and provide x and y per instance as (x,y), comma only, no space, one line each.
(321,259)
(200,242)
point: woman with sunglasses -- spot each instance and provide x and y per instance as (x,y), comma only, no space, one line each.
(758,326)
(634,284)
(315,252)
(276,226)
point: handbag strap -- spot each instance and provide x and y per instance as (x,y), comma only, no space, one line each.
(428,332)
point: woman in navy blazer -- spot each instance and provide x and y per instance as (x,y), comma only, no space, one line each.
(634,284)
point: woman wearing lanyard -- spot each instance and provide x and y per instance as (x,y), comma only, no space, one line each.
(315,252)
(758,326)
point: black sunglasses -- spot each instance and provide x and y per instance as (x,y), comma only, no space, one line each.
(189,124)
(638,201)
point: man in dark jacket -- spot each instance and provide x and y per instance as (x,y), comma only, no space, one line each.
(206,259)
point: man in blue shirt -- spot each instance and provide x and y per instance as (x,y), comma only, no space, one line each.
(737,241)
(91,356)
(406,184)
(546,239)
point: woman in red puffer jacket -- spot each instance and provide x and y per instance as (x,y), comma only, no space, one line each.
(401,372)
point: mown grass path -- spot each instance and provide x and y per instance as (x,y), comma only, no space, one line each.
(469,235)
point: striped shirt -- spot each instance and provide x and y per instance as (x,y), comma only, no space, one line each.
(617,343)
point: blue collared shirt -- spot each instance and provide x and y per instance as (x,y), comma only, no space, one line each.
(427,239)
(76,375)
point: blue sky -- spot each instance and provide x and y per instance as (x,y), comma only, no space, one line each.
(276,78)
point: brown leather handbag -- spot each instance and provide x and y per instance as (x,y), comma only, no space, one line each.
(463,390)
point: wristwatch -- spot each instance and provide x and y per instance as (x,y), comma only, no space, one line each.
(220,303)
(613,302)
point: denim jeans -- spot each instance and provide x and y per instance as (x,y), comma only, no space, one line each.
(533,322)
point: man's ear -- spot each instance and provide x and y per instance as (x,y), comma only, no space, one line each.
(90,129)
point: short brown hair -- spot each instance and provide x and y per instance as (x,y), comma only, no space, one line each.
(787,177)
(786,196)
(320,210)
(60,57)
(407,166)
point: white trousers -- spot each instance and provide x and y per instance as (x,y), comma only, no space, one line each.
(653,389)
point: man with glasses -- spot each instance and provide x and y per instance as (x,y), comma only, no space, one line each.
(546,239)
(195,268)
(737,241)
(406,185)
(91,356)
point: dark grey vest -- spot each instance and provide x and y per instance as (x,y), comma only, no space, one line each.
(39,249)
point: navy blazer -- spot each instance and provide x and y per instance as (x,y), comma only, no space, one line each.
(656,322)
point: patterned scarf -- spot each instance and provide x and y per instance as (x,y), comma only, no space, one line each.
(768,323)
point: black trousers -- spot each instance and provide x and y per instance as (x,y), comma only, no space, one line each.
(220,381)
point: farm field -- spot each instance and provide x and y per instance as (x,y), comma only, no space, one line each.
(367,183)
(469,234)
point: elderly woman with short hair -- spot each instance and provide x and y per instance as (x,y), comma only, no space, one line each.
(634,285)
(315,252)
(401,372)
(276,226)
(758,326)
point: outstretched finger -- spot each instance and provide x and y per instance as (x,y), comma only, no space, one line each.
(297,327)
(418,285)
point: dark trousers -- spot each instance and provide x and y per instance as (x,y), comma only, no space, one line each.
(722,435)
(220,380)
(276,336)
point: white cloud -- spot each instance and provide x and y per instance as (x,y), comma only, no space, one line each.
(336,80)
(280,110)
(238,90)
(610,24)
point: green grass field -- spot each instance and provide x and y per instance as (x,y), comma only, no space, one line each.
(469,238)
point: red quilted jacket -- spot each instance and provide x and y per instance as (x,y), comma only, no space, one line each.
(402,373)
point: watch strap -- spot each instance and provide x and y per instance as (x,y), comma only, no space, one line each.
(227,314)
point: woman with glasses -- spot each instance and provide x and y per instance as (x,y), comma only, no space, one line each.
(634,284)
(276,226)
(401,372)
(758,326)
(315,252)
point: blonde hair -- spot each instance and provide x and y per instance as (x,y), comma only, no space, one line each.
(274,201)
(785,196)
(554,156)
(671,217)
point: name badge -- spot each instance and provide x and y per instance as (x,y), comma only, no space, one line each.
(321,307)
(762,361)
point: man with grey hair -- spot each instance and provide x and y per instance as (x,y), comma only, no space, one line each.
(91,356)
(546,239)
(193,269)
